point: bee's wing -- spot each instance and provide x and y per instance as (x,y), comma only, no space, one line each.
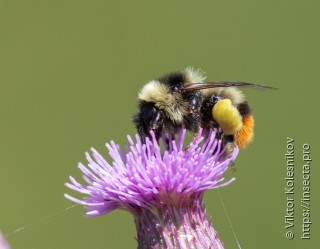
(206,85)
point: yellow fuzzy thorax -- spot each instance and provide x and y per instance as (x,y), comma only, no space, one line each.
(227,116)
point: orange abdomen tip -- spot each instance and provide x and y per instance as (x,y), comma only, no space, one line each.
(245,135)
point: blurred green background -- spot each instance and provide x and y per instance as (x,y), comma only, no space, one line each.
(69,76)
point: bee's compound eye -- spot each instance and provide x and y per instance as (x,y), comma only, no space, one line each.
(148,113)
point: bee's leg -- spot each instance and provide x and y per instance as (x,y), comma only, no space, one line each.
(194,117)
(229,144)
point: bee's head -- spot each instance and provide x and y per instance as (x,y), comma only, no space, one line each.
(149,118)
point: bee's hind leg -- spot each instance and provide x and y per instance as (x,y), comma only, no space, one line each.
(229,145)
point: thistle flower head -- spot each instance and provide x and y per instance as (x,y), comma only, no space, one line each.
(145,176)
(3,243)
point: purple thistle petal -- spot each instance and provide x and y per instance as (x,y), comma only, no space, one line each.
(3,242)
(143,176)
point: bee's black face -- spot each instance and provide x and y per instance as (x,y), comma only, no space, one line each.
(149,118)
(152,117)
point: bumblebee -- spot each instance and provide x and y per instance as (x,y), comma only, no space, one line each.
(183,99)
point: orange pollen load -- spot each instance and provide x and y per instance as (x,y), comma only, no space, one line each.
(245,135)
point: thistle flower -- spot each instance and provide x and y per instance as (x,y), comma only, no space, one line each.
(3,243)
(162,189)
